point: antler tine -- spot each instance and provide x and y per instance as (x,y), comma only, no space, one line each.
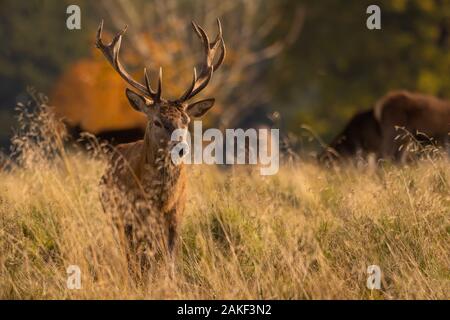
(210,48)
(222,55)
(218,41)
(147,82)
(111,52)
(155,96)
(215,45)
(205,40)
(208,67)
(219,34)
(204,81)
(158,91)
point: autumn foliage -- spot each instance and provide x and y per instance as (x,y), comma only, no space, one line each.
(90,94)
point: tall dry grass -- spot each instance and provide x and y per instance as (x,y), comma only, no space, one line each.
(305,233)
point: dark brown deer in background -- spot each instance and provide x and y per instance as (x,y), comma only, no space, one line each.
(142,185)
(422,116)
(360,137)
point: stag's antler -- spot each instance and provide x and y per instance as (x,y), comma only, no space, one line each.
(210,49)
(111,52)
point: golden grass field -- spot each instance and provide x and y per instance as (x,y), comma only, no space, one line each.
(305,233)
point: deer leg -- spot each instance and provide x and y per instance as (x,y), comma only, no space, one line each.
(395,148)
(131,248)
(136,252)
(172,239)
(388,144)
(172,232)
(444,142)
(172,246)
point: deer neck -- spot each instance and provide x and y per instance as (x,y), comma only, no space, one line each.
(164,180)
(156,158)
(149,151)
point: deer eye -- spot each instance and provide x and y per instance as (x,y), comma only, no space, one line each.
(157,123)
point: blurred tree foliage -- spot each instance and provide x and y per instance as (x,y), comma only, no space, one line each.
(338,66)
(160,35)
(98,103)
(36,46)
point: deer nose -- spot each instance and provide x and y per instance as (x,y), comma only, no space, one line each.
(169,126)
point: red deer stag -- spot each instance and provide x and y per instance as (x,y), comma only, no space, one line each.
(141,184)
(420,115)
(361,136)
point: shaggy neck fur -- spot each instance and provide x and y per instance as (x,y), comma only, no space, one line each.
(157,171)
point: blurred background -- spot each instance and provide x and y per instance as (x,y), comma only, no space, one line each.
(289,62)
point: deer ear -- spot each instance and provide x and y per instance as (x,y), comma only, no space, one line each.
(199,108)
(136,101)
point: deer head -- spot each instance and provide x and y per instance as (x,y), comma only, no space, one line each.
(164,116)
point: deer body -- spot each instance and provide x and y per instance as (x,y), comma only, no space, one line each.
(361,136)
(143,189)
(416,113)
(375,131)
(153,193)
